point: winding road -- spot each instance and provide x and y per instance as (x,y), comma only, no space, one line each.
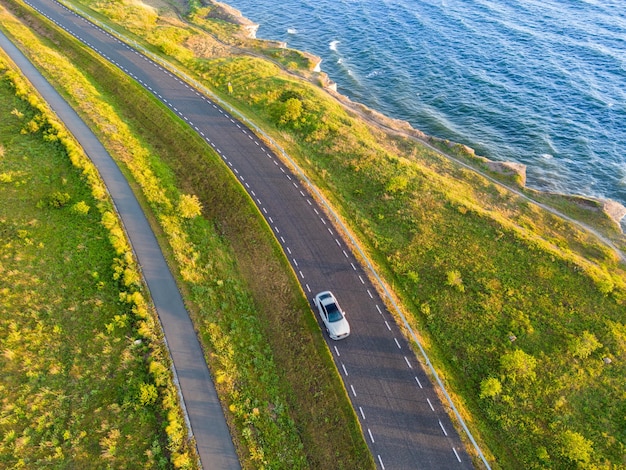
(404,422)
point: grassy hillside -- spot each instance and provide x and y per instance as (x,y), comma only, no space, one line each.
(521,311)
(85,378)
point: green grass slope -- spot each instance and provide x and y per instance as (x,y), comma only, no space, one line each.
(79,345)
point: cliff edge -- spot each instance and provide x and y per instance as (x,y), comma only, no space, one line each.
(224,12)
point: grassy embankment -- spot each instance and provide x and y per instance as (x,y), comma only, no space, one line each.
(522,311)
(286,404)
(85,378)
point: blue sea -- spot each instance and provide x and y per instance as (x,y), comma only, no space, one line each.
(540,82)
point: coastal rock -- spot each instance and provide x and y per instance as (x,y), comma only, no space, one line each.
(509,168)
(326,83)
(224,12)
(314,62)
(318,65)
(614,210)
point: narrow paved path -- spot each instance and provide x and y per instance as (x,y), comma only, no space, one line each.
(203,409)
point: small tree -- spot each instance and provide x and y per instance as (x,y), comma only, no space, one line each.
(455,280)
(575,447)
(289,111)
(490,388)
(518,365)
(583,346)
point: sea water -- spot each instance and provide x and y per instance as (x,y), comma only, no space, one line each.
(540,82)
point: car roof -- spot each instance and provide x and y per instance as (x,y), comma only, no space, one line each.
(325,295)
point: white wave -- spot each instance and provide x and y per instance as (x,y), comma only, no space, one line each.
(333,45)
(292,31)
(546,156)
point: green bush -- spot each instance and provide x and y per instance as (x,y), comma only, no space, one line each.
(58,199)
(189,206)
(81,207)
(148,394)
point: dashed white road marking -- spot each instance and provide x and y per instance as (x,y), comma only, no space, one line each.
(362,414)
(457,455)
(370,433)
(345,371)
(353,390)
(397,343)
(418,382)
(408,363)
(442,428)
(430,404)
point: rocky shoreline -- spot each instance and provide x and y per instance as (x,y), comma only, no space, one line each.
(613,209)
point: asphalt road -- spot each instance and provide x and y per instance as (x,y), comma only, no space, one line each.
(403,421)
(206,417)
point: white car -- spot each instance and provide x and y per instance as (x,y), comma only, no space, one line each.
(333,317)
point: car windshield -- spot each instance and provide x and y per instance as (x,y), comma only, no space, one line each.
(333,312)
